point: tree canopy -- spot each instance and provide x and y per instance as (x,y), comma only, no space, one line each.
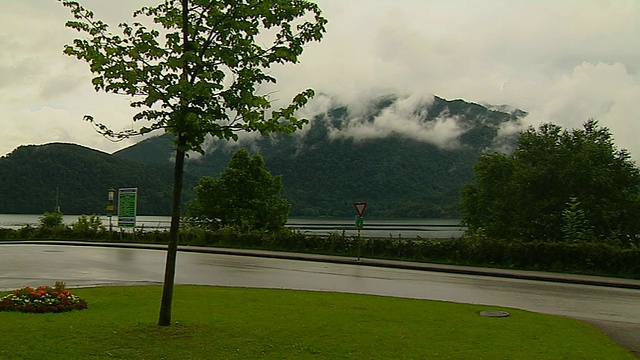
(245,196)
(558,185)
(196,73)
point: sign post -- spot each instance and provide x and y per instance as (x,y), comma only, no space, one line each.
(127,207)
(360,208)
(111,194)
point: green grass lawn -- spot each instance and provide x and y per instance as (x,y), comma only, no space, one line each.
(238,323)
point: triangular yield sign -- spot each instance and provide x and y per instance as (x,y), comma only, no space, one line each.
(360,207)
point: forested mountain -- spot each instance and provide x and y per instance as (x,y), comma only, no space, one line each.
(33,178)
(406,159)
(329,166)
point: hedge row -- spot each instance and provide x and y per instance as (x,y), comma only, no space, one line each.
(584,258)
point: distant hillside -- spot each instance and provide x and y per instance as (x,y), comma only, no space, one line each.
(32,177)
(406,157)
(347,155)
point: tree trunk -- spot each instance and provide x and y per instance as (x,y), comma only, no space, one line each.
(178,174)
(172,249)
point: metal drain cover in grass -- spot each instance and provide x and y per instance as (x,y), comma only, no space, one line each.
(497,314)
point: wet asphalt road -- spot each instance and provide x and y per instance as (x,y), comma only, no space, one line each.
(615,310)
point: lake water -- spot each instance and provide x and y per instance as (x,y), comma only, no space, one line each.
(406,228)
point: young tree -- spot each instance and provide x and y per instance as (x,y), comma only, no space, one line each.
(196,74)
(556,183)
(51,220)
(245,196)
(88,224)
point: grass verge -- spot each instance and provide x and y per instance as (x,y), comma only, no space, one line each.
(239,323)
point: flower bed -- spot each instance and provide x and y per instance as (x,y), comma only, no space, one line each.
(42,299)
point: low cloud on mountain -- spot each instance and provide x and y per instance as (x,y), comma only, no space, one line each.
(405,117)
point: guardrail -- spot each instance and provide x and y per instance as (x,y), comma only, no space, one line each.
(409,230)
(435,228)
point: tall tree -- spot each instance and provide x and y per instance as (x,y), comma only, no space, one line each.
(245,196)
(557,184)
(196,73)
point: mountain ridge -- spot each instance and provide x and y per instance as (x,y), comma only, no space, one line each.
(398,175)
(405,156)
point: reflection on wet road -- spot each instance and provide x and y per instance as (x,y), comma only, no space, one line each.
(83,266)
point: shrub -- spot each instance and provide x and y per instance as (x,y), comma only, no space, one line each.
(88,225)
(50,220)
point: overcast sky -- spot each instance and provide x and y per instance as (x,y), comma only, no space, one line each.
(561,61)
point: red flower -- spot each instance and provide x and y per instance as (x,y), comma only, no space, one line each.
(61,300)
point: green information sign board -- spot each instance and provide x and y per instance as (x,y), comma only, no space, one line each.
(127,207)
